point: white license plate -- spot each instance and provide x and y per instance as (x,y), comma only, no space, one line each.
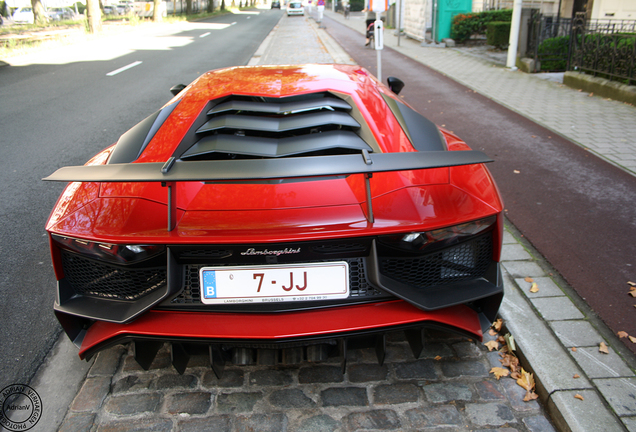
(274,283)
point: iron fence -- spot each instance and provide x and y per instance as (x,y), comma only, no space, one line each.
(548,41)
(605,48)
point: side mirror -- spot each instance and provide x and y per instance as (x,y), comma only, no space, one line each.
(395,84)
(177,89)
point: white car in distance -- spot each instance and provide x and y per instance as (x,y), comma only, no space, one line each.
(295,8)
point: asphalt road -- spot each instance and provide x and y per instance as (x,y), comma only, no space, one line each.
(60,110)
(575,208)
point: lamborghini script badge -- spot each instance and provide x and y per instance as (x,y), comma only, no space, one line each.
(286,251)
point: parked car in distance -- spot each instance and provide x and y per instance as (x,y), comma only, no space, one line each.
(62,14)
(275,4)
(111,10)
(295,8)
(23,15)
(277,214)
(124,8)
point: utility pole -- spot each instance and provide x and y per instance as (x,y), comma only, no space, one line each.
(378,6)
(398,7)
(514,35)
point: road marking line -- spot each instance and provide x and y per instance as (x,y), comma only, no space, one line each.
(234,23)
(125,68)
(205,34)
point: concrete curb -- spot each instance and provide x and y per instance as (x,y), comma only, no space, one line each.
(558,341)
(57,381)
(262,49)
(339,55)
(601,86)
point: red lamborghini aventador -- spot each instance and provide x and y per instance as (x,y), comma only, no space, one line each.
(271,212)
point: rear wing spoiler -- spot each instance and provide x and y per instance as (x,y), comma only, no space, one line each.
(174,171)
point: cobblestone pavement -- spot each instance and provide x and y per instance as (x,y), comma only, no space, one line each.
(448,387)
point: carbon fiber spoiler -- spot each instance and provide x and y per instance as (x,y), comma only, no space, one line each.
(266,169)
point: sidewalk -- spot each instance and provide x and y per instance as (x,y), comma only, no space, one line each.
(448,387)
(604,126)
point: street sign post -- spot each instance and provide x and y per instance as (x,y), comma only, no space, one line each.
(378,40)
(378,6)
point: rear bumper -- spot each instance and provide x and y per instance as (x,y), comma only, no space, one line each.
(280,328)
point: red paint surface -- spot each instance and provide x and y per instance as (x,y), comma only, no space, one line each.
(281,326)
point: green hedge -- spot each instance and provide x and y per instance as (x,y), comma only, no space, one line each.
(463,26)
(498,34)
(356,5)
(609,41)
(81,7)
(553,53)
(466,25)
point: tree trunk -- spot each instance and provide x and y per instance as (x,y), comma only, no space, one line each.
(210,6)
(157,16)
(94,16)
(39,14)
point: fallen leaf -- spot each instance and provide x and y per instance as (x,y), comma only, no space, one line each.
(622,334)
(632,339)
(530,396)
(500,372)
(591,94)
(492,345)
(529,279)
(438,358)
(534,136)
(511,362)
(632,293)
(497,324)
(630,283)
(576,376)
(492,332)
(526,381)
(603,348)
(578,396)
(510,342)
(534,288)
(573,349)
(517,171)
